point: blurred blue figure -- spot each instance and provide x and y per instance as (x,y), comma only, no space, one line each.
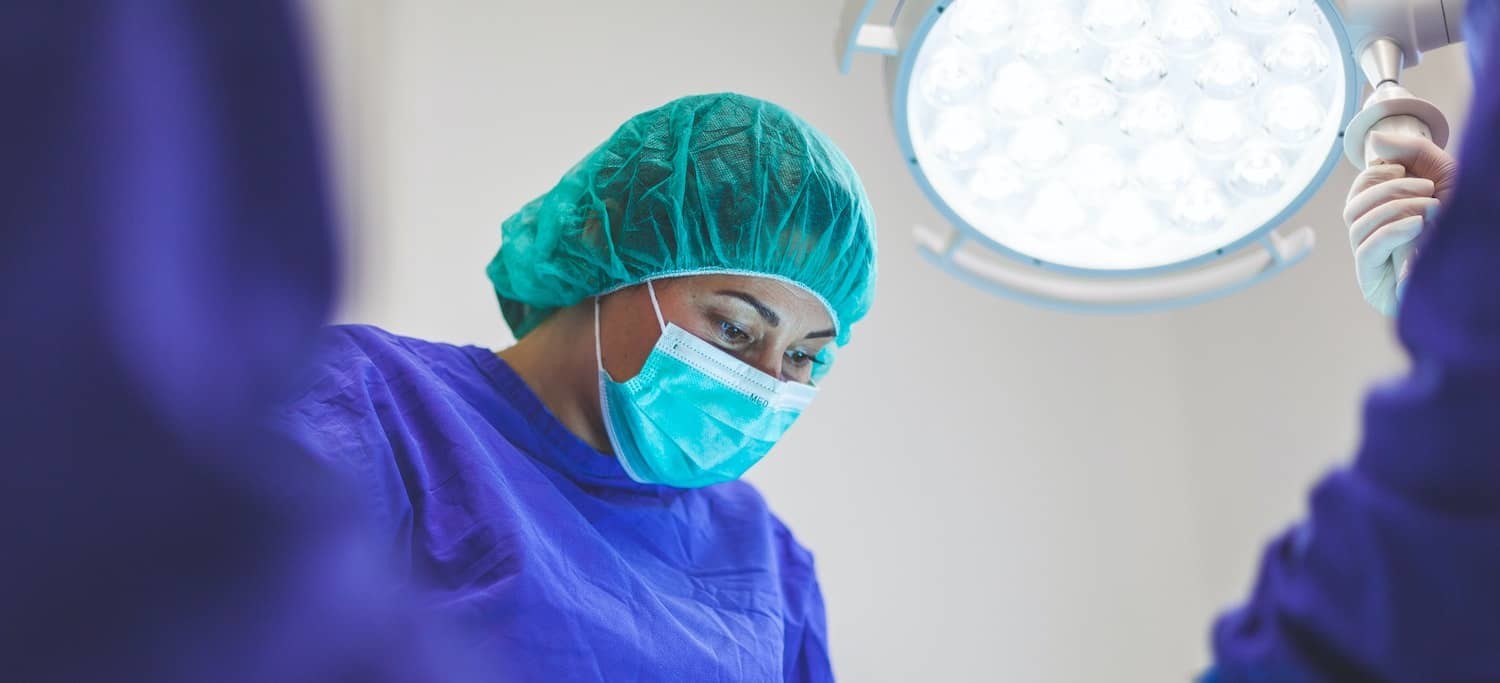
(1395,574)
(165,258)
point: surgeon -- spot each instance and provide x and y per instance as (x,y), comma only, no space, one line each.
(575,500)
(1394,576)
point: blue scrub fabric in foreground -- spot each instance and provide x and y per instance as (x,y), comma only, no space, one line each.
(1395,574)
(165,260)
(557,565)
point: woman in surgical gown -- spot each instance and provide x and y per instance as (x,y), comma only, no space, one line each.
(574,501)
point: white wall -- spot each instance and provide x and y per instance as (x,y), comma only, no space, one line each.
(993,492)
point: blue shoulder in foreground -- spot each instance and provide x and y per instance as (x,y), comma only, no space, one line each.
(165,260)
(1395,573)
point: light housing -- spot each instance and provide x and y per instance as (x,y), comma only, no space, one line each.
(1119,155)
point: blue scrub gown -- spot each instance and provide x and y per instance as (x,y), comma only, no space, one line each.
(1395,574)
(557,565)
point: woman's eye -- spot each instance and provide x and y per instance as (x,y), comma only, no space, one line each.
(732,334)
(799,358)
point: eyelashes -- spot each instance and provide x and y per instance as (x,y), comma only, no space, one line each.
(732,334)
(733,337)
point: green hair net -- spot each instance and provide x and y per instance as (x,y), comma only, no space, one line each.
(706,184)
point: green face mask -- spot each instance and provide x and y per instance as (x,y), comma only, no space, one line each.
(694,415)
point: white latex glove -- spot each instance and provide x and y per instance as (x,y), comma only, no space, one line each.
(1390,203)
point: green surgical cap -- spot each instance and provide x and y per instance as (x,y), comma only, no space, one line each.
(706,184)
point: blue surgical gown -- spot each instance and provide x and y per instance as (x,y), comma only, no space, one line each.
(558,566)
(1394,576)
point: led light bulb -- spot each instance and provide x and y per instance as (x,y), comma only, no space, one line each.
(1018,92)
(1258,170)
(1135,67)
(1293,115)
(1164,168)
(959,136)
(1297,54)
(997,179)
(1115,21)
(952,76)
(1200,206)
(1039,145)
(1051,40)
(1128,220)
(1095,172)
(1054,214)
(1085,101)
(1264,13)
(983,25)
(1154,115)
(1216,128)
(1187,27)
(1228,71)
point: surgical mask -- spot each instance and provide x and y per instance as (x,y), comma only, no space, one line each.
(694,415)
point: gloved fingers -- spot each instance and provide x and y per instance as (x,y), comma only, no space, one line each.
(1402,258)
(1374,255)
(1375,263)
(1407,255)
(1365,226)
(1384,296)
(1373,175)
(1407,150)
(1400,188)
(1421,157)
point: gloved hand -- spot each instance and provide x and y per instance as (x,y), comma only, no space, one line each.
(1390,203)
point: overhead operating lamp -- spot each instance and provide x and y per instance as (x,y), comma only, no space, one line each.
(1129,155)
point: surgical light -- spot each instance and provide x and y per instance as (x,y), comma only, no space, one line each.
(1137,154)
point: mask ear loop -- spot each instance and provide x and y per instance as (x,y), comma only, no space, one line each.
(598,350)
(659,320)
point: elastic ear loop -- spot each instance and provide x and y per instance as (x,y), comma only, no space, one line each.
(659,320)
(598,351)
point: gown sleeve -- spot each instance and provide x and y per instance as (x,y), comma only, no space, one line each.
(808,654)
(806,627)
(1394,575)
(335,416)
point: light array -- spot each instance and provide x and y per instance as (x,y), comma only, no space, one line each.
(1121,135)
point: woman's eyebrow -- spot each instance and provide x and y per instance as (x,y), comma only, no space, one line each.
(764,310)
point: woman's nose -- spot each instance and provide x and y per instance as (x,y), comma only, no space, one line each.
(768,362)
